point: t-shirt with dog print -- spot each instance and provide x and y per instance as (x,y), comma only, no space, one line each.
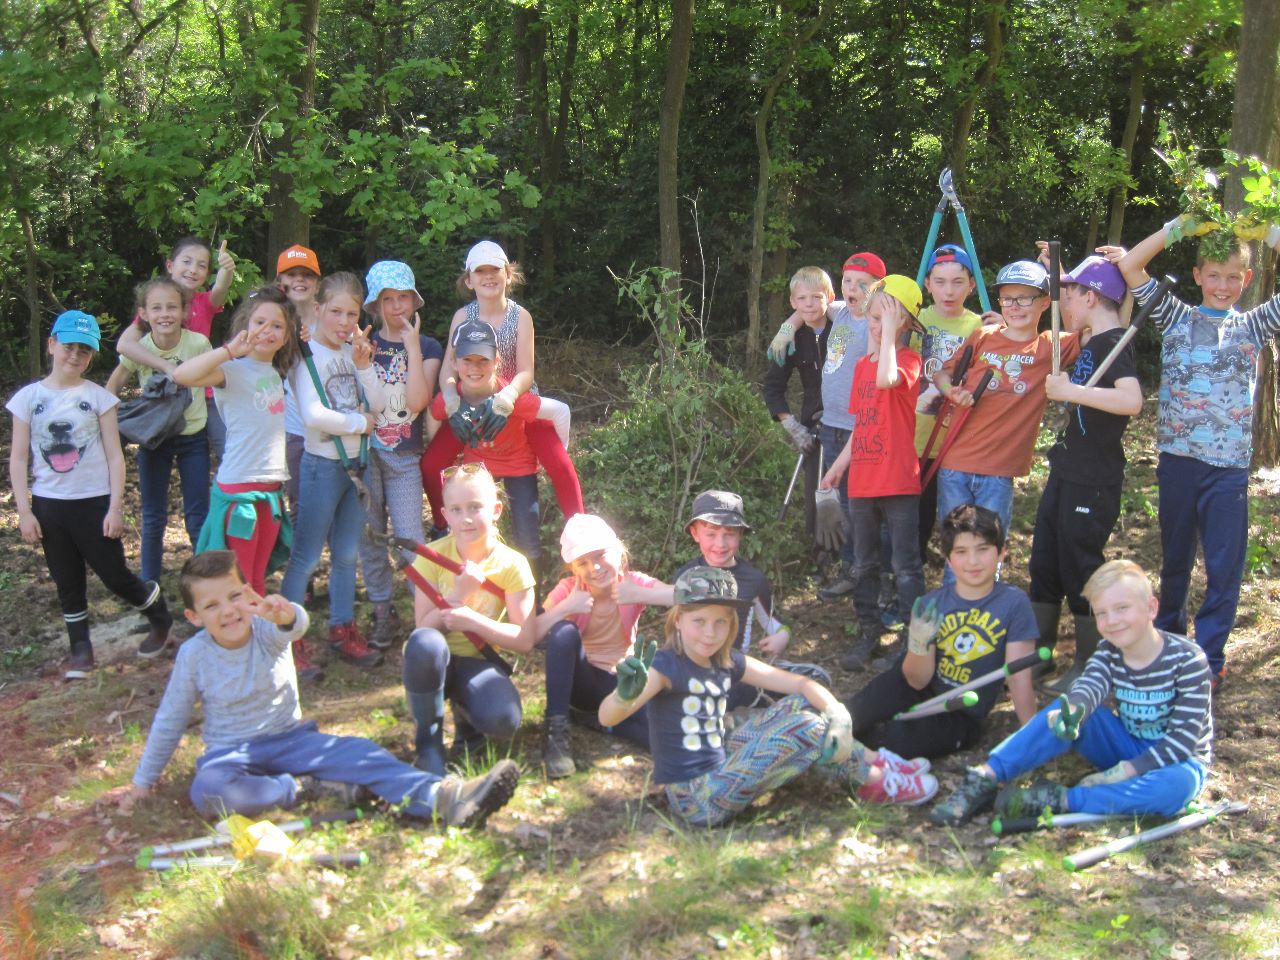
(68,461)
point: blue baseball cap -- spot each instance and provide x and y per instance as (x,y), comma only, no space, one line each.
(1025,272)
(950,253)
(76,326)
(389,275)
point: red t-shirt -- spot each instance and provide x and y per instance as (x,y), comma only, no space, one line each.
(508,454)
(883,460)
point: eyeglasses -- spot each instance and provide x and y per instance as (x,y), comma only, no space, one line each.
(1020,301)
(464,470)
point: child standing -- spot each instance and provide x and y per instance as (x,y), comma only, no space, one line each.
(452,653)
(408,364)
(160,305)
(1208,376)
(585,631)
(259,753)
(1152,753)
(64,432)
(298,275)
(339,394)
(708,777)
(884,474)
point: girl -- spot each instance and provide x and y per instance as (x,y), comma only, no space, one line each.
(451,654)
(508,452)
(159,302)
(489,277)
(64,431)
(338,394)
(408,364)
(298,275)
(585,631)
(708,779)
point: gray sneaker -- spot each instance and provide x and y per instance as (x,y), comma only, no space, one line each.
(838,588)
(1017,802)
(468,803)
(975,794)
(384,630)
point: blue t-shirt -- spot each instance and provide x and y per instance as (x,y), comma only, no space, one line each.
(397,428)
(686,722)
(846,345)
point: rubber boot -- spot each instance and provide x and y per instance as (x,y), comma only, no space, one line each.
(558,755)
(1047,615)
(160,622)
(428,745)
(80,666)
(1087,638)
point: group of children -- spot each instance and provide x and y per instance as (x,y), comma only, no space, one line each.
(723,726)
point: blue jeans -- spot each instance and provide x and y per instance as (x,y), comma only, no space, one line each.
(522,507)
(833,440)
(901,514)
(328,510)
(154,469)
(1104,742)
(956,488)
(1211,504)
(572,680)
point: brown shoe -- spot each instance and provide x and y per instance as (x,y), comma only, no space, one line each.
(308,670)
(80,666)
(468,803)
(348,642)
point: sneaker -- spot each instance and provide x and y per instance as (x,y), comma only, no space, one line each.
(346,640)
(899,788)
(468,803)
(1016,802)
(385,629)
(1216,680)
(557,755)
(974,795)
(347,793)
(308,671)
(838,588)
(80,666)
(889,760)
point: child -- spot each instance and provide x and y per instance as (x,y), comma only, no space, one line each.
(1152,754)
(585,630)
(884,474)
(408,364)
(298,275)
(160,305)
(489,277)
(339,393)
(259,754)
(709,778)
(64,432)
(947,323)
(1208,375)
(957,633)
(999,437)
(451,654)
(508,454)
(1080,501)
(188,267)
(811,292)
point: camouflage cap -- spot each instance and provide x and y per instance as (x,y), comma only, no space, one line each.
(702,585)
(719,506)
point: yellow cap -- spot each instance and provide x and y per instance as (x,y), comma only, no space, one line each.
(905,290)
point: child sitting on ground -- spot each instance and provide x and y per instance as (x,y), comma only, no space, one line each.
(259,753)
(957,633)
(1152,754)
(710,777)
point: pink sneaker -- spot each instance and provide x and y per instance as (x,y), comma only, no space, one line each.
(898,788)
(888,760)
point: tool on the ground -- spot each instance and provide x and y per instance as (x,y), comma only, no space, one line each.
(946,407)
(957,425)
(1055,821)
(786,501)
(1055,303)
(948,188)
(1001,673)
(1190,821)
(348,858)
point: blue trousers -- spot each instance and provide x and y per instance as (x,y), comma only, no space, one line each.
(1209,504)
(155,468)
(572,680)
(328,510)
(956,487)
(260,774)
(1104,742)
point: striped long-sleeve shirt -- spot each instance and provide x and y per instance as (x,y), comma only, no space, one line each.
(1165,703)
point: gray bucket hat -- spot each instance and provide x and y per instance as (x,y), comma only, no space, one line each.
(719,506)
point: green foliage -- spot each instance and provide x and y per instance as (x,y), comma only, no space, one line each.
(691,424)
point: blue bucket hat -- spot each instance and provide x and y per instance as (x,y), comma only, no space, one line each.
(389,275)
(76,326)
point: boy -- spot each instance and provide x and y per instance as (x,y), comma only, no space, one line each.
(999,435)
(1081,499)
(1208,375)
(259,754)
(811,291)
(1152,754)
(957,633)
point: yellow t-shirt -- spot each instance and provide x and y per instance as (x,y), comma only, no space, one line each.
(943,336)
(190,344)
(504,566)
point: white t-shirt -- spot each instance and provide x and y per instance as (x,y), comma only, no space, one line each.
(68,461)
(252,406)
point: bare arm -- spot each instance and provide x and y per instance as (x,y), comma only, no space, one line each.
(421,375)
(887,364)
(1125,398)
(448,365)
(205,370)
(523,379)
(113,525)
(19,464)
(837,469)
(614,710)
(1134,263)
(757,673)
(918,669)
(1021,690)
(119,377)
(226,274)
(130,345)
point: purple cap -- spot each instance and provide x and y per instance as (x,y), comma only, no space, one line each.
(1101,275)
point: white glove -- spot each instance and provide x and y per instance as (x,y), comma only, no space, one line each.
(452,401)
(504,401)
(923,630)
(783,344)
(1273,237)
(828,525)
(1121,771)
(837,745)
(799,435)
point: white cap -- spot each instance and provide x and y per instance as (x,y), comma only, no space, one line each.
(486,253)
(585,533)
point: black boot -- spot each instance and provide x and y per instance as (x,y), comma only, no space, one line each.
(1087,638)
(1047,616)
(161,620)
(557,755)
(80,666)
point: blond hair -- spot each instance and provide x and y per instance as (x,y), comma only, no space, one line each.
(813,278)
(723,656)
(1111,573)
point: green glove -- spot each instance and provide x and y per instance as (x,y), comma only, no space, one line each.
(923,630)
(1065,722)
(783,344)
(633,672)
(1121,771)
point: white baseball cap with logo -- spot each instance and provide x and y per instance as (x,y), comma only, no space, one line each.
(486,253)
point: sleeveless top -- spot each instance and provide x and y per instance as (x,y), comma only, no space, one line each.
(506,333)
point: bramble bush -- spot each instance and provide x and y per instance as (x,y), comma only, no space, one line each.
(690,424)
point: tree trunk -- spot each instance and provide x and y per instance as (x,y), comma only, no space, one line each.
(553,155)
(1137,83)
(679,44)
(288,223)
(993,43)
(35,352)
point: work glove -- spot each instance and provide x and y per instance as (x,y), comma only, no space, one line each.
(783,344)
(633,672)
(798,434)
(1273,237)
(452,401)
(1185,225)
(1121,771)
(828,526)
(1065,721)
(923,631)
(1249,230)
(462,423)
(837,745)
(495,412)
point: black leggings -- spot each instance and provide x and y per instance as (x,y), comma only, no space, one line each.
(873,707)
